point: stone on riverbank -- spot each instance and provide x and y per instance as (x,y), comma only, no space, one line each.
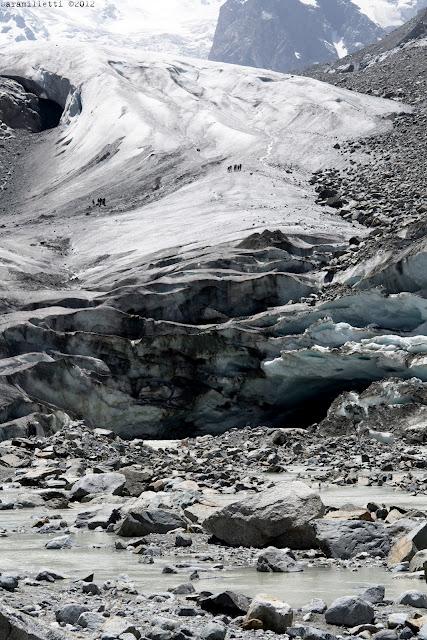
(282,516)
(350,612)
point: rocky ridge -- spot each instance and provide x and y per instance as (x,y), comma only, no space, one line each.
(289,36)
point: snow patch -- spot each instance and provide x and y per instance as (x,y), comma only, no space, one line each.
(310,3)
(390,13)
(341,48)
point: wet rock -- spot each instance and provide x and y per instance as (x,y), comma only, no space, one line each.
(70,613)
(46,575)
(183,589)
(96,483)
(346,539)
(141,522)
(350,612)
(61,542)
(274,615)
(282,516)
(277,561)
(227,602)
(413,599)
(374,594)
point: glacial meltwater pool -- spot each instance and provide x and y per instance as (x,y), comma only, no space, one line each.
(94,551)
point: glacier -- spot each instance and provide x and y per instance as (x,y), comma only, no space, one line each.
(189,304)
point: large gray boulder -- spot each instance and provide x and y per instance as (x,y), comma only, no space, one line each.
(272,560)
(413,598)
(143,522)
(346,538)
(350,612)
(282,516)
(70,613)
(95,483)
(228,603)
(274,615)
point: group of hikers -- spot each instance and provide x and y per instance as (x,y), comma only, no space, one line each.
(99,203)
(234,167)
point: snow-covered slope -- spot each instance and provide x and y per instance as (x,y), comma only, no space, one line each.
(184,26)
(165,119)
(390,13)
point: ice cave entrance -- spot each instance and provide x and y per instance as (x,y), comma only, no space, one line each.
(50,113)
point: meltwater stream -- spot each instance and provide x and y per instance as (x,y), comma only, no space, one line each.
(93,551)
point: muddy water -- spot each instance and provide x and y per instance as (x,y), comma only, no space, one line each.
(95,552)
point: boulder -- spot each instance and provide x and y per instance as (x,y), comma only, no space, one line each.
(70,613)
(413,598)
(17,626)
(315,606)
(228,603)
(91,620)
(214,631)
(95,483)
(274,615)
(282,516)
(8,582)
(116,627)
(137,480)
(272,560)
(182,540)
(350,612)
(61,542)
(418,561)
(347,538)
(405,548)
(143,522)
(374,594)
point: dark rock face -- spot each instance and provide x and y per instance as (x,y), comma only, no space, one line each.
(139,522)
(22,109)
(18,109)
(347,538)
(291,35)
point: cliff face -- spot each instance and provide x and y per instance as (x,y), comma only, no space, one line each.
(287,36)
